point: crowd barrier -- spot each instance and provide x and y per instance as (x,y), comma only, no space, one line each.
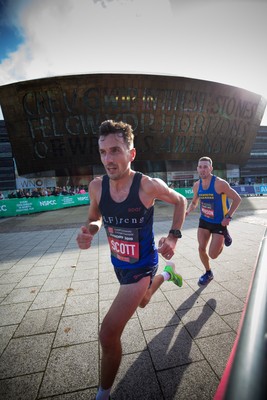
(13,207)
(244,377)
(242,190)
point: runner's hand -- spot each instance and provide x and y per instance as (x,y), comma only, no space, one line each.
(84,238)
(166,247)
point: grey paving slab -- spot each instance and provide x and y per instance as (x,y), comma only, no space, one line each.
(52,284)
(80,265)
(49,299)
(133,339)
(104,306)
(66,272)
(171,347)
(194,381)
(21,295)
(83,287)
(65,263)
(47,262)
(5,266)
(6,333)
(39,321)
(80,304)
(76,329)
(53,298)
(108,291)
(184,298)
(238,287)
(202,321)
(106,276)
(216,350)
(88,394)
(25,355)
(159,314)
(137,368)
(13,313)
(22,266)
(85,274)
(40,269)
(31,280)
(70,369)
(22,387)
(226,302)
(11,278)
(5,289)
(233,320)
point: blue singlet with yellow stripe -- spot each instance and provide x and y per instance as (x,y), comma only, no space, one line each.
(213,206)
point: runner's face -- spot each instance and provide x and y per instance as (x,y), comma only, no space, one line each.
(204,169)
(115,156)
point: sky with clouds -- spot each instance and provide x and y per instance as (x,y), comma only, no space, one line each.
(217,40)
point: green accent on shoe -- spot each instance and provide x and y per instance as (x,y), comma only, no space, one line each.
(175,278)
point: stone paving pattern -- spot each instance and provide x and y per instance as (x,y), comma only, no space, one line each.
(54,296)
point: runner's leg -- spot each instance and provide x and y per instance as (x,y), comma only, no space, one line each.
(216,245)
(203,236)
(121,310)
(156,283)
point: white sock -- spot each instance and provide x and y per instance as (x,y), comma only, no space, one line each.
(166,275)
(103,394)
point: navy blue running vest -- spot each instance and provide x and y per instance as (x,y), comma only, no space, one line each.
(129,227)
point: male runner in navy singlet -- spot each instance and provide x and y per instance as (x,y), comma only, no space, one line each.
(215,214)
(123,200)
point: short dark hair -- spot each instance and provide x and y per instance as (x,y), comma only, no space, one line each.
(205,158)
(121,128)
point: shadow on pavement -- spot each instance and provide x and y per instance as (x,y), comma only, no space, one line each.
(168,353)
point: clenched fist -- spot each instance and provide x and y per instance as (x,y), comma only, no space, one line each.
(84,238)
(166,247)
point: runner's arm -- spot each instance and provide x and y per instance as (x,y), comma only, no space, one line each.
(194,202)
(94,221)
(224,187)
(153,189)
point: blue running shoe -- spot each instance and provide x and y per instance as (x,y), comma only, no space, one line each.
(227,238)
(206,278)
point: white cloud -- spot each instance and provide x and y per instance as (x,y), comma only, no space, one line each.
(218,40)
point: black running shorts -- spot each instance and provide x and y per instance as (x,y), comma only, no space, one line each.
(213,228)
(127,276)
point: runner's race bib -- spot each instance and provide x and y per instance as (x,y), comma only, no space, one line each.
(123,243)
(207,209)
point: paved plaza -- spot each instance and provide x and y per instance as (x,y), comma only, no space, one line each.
(54,296)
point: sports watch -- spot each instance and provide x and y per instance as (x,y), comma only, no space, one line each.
(176,233)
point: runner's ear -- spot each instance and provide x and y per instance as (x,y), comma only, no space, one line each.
(133,153)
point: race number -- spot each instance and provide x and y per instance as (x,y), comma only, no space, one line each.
(123,243)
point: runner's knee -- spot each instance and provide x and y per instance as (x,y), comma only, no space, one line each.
(108,337)
(202,249)
(213,254)
(144,302)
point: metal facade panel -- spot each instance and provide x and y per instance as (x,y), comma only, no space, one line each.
(53,122)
